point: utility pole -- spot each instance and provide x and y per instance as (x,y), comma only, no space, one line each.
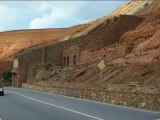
(100,76)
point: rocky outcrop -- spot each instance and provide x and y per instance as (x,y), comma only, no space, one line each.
(152,43)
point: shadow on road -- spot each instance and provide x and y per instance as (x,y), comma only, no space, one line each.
(6,94)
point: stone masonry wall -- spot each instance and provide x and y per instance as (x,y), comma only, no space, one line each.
(71,56)
(53,53)
(133,99)
(41,54)
(30,58)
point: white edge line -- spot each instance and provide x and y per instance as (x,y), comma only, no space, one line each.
(56,106)
(120,106)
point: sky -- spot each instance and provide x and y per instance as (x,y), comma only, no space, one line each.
(15,15)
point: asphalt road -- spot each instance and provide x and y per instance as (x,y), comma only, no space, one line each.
(21,104)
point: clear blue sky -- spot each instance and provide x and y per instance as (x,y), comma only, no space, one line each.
(51,14)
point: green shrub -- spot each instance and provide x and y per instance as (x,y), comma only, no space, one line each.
(47,66)
(146,4)
(7,75)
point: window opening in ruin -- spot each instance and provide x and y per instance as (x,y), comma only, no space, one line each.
(64,61)
(67,60)
(74,60)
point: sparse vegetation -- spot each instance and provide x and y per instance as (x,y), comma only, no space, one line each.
(47,66)
(146,4)
(7,76)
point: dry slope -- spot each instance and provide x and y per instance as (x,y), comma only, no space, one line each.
(134,59)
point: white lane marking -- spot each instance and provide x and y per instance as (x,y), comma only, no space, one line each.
(57,106)
(114,105)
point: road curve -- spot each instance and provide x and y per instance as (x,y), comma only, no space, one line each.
(22,104)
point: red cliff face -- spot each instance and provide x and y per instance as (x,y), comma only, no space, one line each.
(135,57)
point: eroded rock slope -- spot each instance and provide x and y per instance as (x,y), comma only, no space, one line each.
(134,58)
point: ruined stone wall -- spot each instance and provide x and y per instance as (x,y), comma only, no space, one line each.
(11,42)
(53,53)
(43,54)
(29,58)
(140,100)
(71,56)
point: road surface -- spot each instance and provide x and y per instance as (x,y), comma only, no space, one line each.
(22,104)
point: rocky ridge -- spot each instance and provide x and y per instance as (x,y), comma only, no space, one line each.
(133,59)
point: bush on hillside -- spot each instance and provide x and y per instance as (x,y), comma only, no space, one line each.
(7,75)
(47,66)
